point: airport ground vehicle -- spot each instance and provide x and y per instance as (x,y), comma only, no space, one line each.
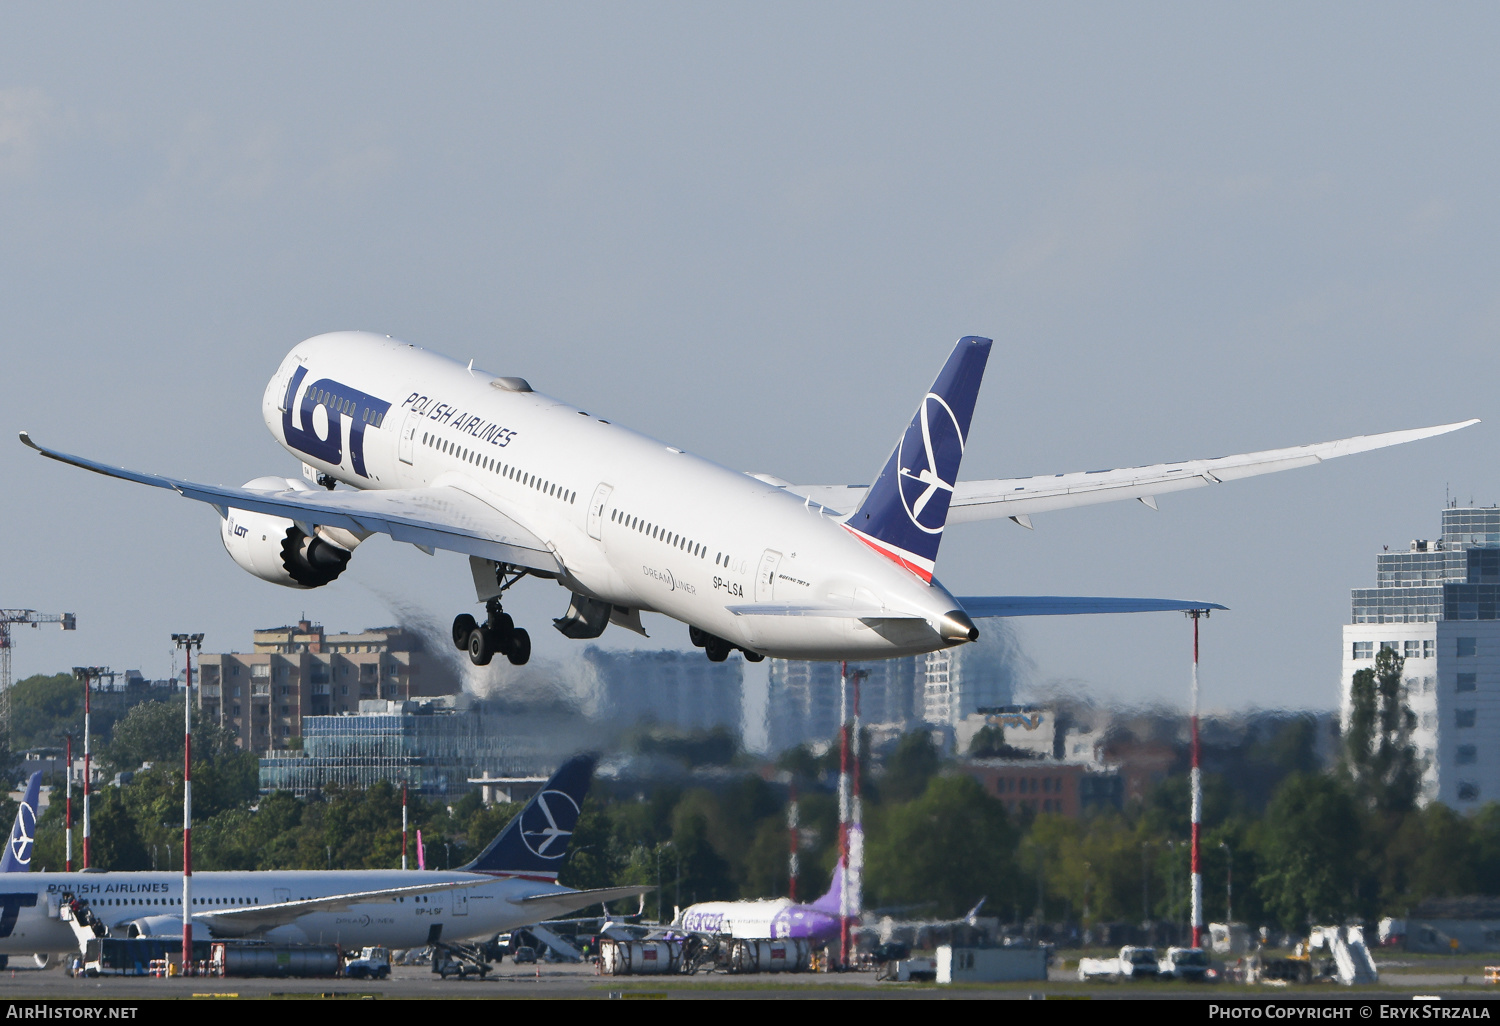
(372,963)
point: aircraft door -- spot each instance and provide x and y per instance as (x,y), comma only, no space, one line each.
(281,894)
(765,577)
(408,443)
(460,903)
(596,509)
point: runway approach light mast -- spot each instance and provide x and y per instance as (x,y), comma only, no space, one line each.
(8,619)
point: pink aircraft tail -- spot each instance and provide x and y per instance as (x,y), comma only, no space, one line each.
(421,852)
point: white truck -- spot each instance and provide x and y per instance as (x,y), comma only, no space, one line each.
(1133,963)
(373,963)
(1186,964)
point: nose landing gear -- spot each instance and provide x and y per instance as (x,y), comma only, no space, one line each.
(498,634)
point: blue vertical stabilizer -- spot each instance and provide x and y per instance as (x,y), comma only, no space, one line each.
(906,508)
(17,858)
(535,842)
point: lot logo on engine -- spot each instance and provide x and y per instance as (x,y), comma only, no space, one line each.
(339,402)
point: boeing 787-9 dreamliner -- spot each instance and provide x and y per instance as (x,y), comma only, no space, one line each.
(446,456)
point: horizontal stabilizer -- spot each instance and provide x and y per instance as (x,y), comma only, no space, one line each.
(978,606)
(542,907)
(591,896)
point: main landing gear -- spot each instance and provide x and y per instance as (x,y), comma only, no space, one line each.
(717,649)
(498,633)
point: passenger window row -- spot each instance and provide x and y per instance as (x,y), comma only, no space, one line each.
(659,533)
(495,466)
(323,397)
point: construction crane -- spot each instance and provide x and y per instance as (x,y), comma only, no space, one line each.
(8,619)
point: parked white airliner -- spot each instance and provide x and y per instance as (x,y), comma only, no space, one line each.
(447,456)
(513,883)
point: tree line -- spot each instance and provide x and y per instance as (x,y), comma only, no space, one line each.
(1305,844)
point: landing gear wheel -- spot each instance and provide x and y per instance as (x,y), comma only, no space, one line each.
(500,624)
(519,650)
(716,650)
(752,657)
(463,626)
(481,647)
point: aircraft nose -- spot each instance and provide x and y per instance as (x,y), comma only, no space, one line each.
(956,626)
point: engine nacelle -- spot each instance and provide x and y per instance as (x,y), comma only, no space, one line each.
(154,926)
(275,549)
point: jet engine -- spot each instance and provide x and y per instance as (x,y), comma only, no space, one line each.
(154,926)
(276,549)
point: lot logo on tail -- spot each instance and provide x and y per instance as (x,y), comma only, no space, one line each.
(929,455)
(22,840)
(17,856)
(903,514)
(534,843)
(547,823)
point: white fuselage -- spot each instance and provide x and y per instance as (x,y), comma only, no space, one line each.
(633,522)
(29,919)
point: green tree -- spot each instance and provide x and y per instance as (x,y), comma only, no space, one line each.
(42,708)
(908,769)
(952,846)
(705,875)
(116,842)
(1310,839)
(1378,751)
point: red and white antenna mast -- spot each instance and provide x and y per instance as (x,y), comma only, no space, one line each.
(187,642)
(1197,785)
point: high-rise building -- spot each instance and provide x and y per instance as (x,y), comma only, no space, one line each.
(1437,604)
(802,702)
(301,670)
(935,690)
(666,688)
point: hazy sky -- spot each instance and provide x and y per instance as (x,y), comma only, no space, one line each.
(755,231)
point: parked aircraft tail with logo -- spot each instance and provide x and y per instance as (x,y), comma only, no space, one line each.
(17,858)
(534,844)
(903,515)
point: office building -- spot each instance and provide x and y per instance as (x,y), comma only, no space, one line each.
(433,747)
(1436,605)
(302,671)
(681,690)
(937,690)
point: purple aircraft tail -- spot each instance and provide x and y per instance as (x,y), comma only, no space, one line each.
(829,902)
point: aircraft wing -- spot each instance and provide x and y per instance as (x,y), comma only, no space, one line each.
(1018,497)
(551,904)
(435,518)
(247,920)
